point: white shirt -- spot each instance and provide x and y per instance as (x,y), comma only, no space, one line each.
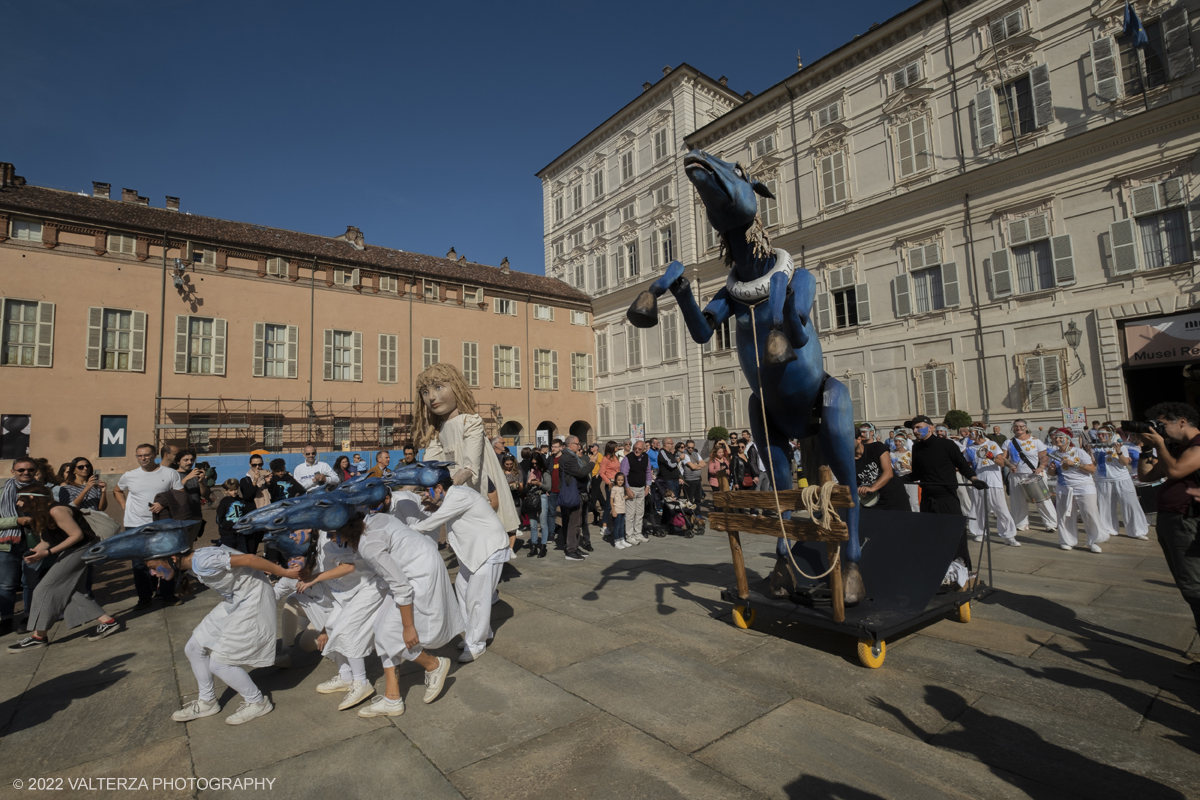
(472,527)
(1031,447)
(985,465)
(1110,468)
(304,474)
(1072,477)
(140,488)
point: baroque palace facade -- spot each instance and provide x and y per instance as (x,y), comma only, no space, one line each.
(999,201)
(243,336)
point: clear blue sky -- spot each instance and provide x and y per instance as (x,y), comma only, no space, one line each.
(421,123)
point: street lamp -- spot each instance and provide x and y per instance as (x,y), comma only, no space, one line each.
(1073,336)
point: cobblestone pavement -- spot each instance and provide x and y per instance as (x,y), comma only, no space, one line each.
(623,677)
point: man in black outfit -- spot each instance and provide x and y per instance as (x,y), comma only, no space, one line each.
(934,463)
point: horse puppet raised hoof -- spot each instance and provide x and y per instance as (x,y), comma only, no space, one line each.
(853,590)
(779,349)
(644,311)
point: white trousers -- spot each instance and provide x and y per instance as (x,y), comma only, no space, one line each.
(1113,492)
(1070,505)
(966,499)
(635,511)
(997,504)
(204,668)
(351,669)
(474,590)
(1019,506)
(911,489)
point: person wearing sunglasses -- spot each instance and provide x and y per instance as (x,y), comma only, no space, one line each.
(14,527)
(83,487)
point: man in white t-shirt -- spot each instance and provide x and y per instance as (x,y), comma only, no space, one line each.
(135,491)
(313,474)
(1026,458)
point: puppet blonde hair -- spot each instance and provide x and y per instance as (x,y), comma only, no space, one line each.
(428,423)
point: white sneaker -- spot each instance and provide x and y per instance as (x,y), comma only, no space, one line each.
(1023,528)
(1010,542)
(1143,537)
(467,656)
(978,538)
(196,709)
(334,685)
(358,692)
(622,544)
(435,681)
(1095,548)
(383,707)
(1064,547)
(248,711)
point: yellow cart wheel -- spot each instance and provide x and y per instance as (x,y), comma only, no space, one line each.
(741,618)
(964,612)
(872,653)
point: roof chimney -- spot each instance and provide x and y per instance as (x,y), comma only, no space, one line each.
(9,176)
(666,70)
(172,203)
(462,259)
(646,86)
(748,95)
(355,237)
(723,80)
(131,196)
(452,255)
(101,190)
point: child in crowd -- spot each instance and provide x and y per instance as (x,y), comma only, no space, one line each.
(617,498)
(229,511)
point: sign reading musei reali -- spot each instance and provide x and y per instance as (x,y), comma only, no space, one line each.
(1163,340)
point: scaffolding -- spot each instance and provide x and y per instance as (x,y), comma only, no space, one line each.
(223,425)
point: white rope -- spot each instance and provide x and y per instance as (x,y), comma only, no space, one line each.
(810,494)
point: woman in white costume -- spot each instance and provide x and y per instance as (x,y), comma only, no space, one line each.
(1026,459)
(450,430)
(989,461)
(314,605)
(419,611)
(1076,493)
(1114,485)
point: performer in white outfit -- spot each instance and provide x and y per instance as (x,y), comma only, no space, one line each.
(1114,485)
(315,604)
(1076,494)
(989,461)
(1026,458)
(481,544)
(902,466)
(450,430)
(419,611)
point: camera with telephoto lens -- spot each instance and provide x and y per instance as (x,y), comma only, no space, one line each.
(1144,427)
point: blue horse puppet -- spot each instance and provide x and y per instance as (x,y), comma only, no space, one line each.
(423,473)
(777,345)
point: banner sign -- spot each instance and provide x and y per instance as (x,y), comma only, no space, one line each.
(113,436)
(637,431)
(1163,340)
(1075,418)
(543,437)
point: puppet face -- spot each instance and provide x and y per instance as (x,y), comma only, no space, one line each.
(439,398)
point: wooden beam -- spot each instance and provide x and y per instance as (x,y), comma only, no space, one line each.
(739,565)
(796,530)
(789,500)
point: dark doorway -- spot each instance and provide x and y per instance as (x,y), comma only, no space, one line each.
(1150,385)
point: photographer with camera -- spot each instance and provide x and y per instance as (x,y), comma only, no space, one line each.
(1174,433)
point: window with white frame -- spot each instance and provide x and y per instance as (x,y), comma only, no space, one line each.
(600,227)
(674,414)
(768,207)
(626,166)
(661,148)
(470,363)
(929,284)
(602,352)
(857,386)
(275,351)
(601,271)
(581,372)
(1008,25)
(389,284)
(722,338)
(833,179)
(637,412)
(631,258)
(662,194)
(633,346)
(506,366)
(430,290)
(936,385)
(725,408)
(712,239)
(431,352)
(123,243)
(598,184)
(1156,233)
(545,370)
(28,335)
(343,355)
(25,230)
(670,336)
(829,114)
(204,255)
(578,317)
(543,312)
(1034,260)
(763,146)
(388,357)
(1044,380)
(579,275)
(662,248)
(576,239)
(1143,65)
(628,212)
(913,154)
(473,294)
(559,248)
(577,196)
(906,75)
(341,277)
(1023,105)
(558,208)
(202,334)
(505,307)
(605,420)
(116,339)
(845,304)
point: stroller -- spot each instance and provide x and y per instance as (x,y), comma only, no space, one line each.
(679,516)
(652,516)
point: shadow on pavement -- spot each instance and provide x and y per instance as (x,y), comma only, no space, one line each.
(57,693)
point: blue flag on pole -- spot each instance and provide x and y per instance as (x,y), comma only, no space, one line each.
(1133,25)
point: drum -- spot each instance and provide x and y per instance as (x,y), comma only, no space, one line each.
(1036,489)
